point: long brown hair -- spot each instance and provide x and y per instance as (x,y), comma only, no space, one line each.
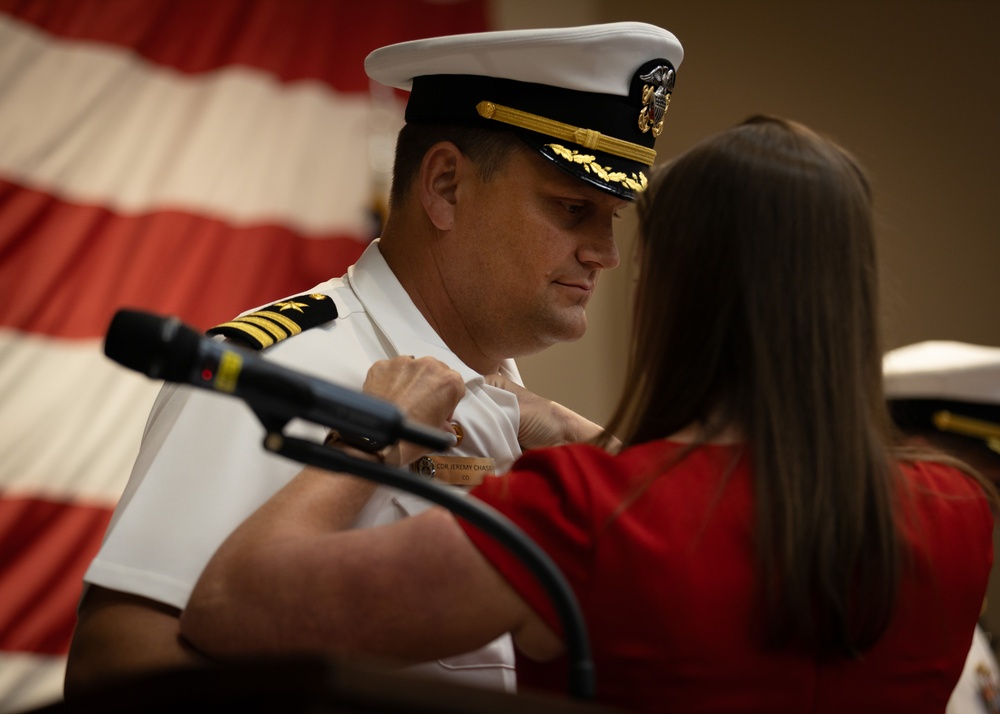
(757,309)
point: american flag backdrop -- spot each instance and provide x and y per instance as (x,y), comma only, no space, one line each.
(186,157)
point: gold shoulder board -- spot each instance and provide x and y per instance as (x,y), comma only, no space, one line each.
(263,328)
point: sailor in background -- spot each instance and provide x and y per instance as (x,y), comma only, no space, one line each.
(947,395)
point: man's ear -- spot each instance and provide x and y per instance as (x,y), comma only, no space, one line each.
(440,172)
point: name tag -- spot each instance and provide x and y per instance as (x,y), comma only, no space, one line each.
(455,470)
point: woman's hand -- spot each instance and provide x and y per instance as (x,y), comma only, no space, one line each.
(544,422)
(425,390)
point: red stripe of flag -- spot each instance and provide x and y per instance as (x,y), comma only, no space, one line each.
(294,39)
(66,268)
(47,547)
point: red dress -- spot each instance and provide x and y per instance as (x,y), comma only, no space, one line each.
(667,587)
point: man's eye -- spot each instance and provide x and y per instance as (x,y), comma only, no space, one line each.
(573,208)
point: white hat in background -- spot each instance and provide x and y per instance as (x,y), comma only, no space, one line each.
(952,387)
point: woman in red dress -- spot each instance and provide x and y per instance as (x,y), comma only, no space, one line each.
(743,537)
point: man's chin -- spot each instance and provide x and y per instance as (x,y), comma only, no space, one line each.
(553,336)
(570,330)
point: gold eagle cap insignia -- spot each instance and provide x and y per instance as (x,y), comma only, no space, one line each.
(656,97)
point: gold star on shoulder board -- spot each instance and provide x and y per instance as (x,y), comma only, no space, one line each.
(290,305)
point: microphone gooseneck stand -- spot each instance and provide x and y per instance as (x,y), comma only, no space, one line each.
(487,519)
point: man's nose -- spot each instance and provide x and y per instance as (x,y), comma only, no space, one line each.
(600,248)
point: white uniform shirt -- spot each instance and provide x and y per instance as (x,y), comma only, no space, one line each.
(978,689)
(202,469)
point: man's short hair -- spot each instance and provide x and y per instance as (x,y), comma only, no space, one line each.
(489,149)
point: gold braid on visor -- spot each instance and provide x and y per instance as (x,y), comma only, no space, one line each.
(967,426)
(585,137)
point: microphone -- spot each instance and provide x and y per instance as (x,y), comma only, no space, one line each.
(165,348)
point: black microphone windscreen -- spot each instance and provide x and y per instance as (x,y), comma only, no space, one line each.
(159,347)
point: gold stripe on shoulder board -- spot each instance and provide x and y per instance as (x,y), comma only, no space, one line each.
(261,321)
(261,338)
(278,321)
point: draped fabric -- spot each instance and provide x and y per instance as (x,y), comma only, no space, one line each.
(179,156)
